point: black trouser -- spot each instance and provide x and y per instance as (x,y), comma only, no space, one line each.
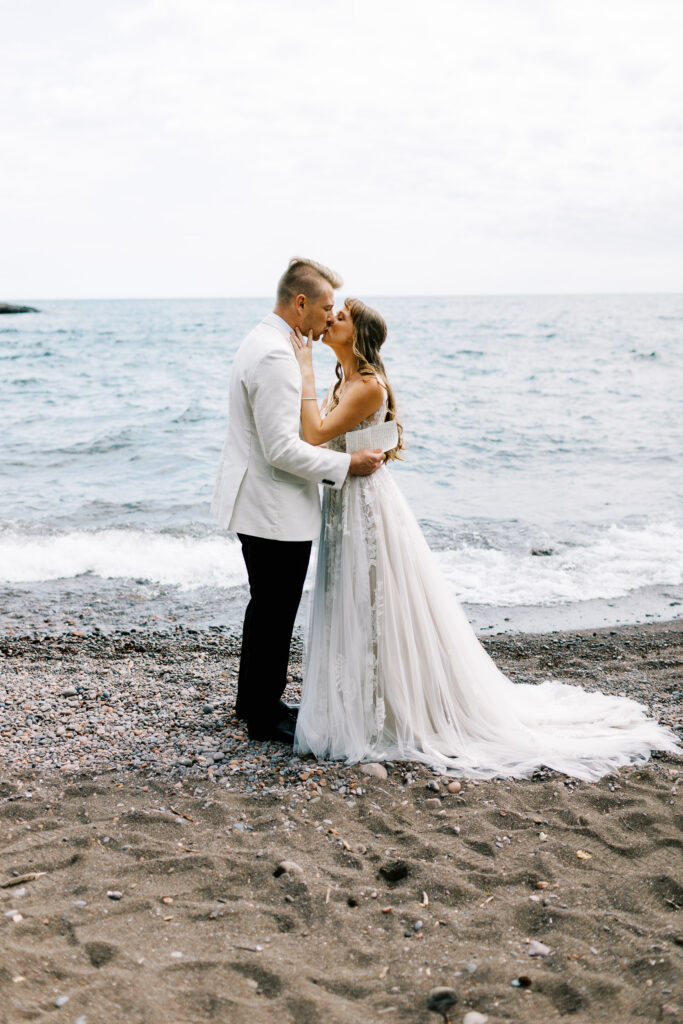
(277,570)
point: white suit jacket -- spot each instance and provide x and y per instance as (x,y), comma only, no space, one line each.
(268,477)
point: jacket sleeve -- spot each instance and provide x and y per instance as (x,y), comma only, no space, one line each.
(274,390)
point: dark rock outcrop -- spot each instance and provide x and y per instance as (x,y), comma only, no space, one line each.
(5,307)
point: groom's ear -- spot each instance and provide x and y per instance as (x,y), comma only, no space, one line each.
(300,305)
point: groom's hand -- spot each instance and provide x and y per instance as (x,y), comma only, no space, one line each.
(365,462)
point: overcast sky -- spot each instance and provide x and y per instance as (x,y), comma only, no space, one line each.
(189,147)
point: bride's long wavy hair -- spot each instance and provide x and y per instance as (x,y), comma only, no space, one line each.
(369,334)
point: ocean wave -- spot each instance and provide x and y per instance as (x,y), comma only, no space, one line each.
(120,554)
(613,563)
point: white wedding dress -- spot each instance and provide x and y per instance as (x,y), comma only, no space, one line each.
(394,671)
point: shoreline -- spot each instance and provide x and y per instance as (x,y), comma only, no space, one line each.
(155,683)
(87,602)
(142,834)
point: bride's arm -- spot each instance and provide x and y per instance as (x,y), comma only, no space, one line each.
(360,400)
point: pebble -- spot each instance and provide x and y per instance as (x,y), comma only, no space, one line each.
(471,968)
(442,1000)
(69,691)
(395,870)
(433,801)
(375,769)
(418,926)
(454,787)
(288,867)
(537,948)
(433,785)
(114,894)
(61,1001)
(475,1018)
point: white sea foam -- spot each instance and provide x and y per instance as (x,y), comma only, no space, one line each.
(113,554)
(614,562)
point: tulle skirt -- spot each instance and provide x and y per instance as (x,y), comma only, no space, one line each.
(394,671)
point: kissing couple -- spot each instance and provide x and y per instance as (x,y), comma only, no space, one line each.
(392,670)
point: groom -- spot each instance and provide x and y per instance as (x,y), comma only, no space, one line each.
(267,489)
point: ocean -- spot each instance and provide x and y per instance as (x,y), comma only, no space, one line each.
(544,439)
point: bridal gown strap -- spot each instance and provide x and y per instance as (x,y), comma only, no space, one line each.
(394,671)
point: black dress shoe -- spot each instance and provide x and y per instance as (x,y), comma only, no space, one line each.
(289,710)
(281,732)
(286,710)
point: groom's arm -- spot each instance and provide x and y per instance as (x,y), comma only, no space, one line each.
(274,389)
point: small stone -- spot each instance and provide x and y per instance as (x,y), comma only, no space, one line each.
(470,968)
(176,954)
(167,900)
(475,1018)
(418,926)
(395,870)
(207,709)
(537,948)
(442,1000)
(81,1020)
(542,885)
(376,770)
(454,787)
(114,894)
(433,785)
(524,981)
(69,691)
(61,1001)
(288,867)
(433,801)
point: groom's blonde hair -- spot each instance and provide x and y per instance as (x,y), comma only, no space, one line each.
(304,277)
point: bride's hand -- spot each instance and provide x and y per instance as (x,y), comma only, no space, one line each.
(303,348)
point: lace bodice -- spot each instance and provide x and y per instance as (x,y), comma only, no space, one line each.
(338,444)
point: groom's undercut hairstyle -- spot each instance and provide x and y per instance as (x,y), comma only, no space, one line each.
(305,277)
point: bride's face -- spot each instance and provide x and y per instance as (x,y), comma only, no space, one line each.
(340,332)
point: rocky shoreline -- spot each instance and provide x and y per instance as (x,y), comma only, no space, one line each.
(163,701)
(7,307)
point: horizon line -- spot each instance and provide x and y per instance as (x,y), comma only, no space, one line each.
(379,295)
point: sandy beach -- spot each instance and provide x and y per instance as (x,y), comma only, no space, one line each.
(143,836)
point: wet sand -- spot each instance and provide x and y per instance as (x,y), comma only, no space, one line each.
(141,835)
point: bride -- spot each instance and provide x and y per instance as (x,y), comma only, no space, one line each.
(393,669)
